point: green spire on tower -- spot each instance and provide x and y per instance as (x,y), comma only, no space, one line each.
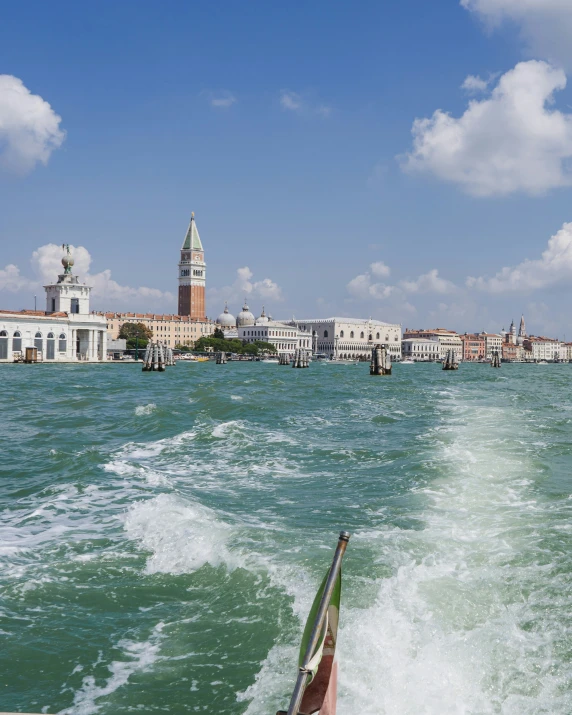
(192,239)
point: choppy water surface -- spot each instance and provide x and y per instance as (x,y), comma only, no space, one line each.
(162,536)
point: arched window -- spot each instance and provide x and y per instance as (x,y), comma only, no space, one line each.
(395,339)
(325,333)
(370,337)
(386,338)
(3,345)
(352,334)
(38,342)
(361,335)
(377,336)
(62,343)
(17,342)
(51,347)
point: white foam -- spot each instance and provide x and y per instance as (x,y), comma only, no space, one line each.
(139,657)
(457,628)
(236,398)
(181,535)
(141,410)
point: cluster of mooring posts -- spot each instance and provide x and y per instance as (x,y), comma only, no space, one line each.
(221,358)
(450,362)
(380,361)
(157,357)
(284,359)
(301,358)
(495,361)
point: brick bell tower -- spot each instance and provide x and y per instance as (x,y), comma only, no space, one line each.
(192,274)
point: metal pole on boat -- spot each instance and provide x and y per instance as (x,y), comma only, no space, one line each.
(304,673)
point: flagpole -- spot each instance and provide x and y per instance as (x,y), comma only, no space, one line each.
(304,673)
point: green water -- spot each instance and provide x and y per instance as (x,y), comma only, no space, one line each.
(162,536)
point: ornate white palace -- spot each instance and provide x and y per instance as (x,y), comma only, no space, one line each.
(65,332)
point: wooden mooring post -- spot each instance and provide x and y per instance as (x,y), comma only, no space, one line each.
(380,361)
(450,362)
(301,358)
(157,358)
(495,359)
(221,358)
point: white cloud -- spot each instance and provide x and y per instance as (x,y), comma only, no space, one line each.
(429,283)
(221,99)
(511,141)
(365,285)
(29,127)
(294,102)
(474,84)
(546,25)
(108,293)
(243,287)
(554,267)
(380,269)
(13,281)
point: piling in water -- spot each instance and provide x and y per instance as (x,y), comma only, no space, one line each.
(157,358)
(450,362)
(380,361)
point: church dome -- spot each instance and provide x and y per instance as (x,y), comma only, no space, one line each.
(263,319)
(225,319)
(245,317)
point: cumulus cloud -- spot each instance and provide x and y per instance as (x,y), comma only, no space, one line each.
(243,287)
(13,281)
(29,127)
(366,285)
(429,282)
(106,292)
(545,25)
(552,268)
(380,269)
(510,141)
(295,102)
(474,84)
(220,99)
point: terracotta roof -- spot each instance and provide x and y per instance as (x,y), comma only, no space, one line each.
(36,313)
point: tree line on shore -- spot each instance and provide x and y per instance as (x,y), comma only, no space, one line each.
(138,335)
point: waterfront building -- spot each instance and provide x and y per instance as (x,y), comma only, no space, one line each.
(65,332)
(170,329)
(286,338)
(542,348)
(511,352)
(192,275)
(473,347)
(447,339)
(350,338)
(421,349)
(493,342)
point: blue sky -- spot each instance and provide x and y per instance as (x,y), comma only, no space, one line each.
(287,128)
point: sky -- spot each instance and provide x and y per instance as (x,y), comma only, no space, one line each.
(405,160)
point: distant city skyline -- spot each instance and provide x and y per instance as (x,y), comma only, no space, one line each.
(408,164)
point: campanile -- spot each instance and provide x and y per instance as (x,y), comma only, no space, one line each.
(192,274)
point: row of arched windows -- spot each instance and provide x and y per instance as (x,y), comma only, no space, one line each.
(362,335)
(38,343)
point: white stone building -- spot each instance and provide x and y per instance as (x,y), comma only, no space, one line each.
(285,338)
(350,338)
(421,349)
(447,339)
(493,342)
(540,348)
(65,332)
